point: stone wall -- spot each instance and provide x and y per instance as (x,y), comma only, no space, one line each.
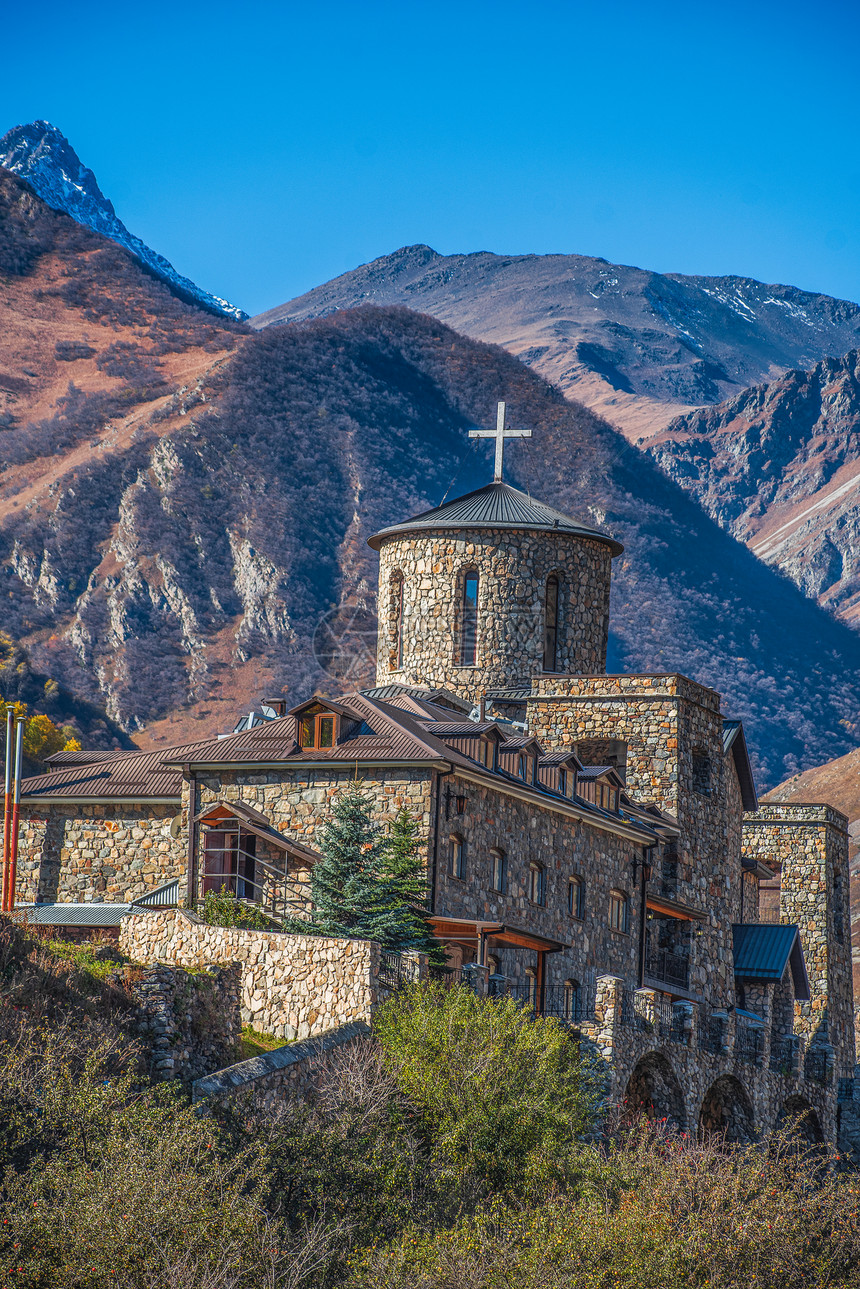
(565,847)
(807,845)
(672,729)
(292,986)
(79,853)
(190,1023)
(270,1079)
(298,802)
(513,567)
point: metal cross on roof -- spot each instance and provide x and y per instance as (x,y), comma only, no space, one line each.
(500,434)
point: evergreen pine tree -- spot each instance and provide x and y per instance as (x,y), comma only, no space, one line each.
(350,889)
(408,885)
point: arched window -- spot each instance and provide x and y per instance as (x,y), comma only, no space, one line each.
(499,866)
(550,624)
(395,618)
(537,883)
(572,1000)
(458,857)
(469,619)
(576,897)
(619,911)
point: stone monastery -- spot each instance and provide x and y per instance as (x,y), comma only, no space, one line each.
(593,842)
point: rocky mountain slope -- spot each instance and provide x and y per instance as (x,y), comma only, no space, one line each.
(635,346)
(778,466)
(184,506)
(42,155)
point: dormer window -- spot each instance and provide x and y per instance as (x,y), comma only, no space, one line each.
(562,782)
(318,729)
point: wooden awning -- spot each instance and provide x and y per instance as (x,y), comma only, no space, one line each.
(252,821)
(471,931)
(673,909)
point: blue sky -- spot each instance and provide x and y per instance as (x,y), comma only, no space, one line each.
(264,148)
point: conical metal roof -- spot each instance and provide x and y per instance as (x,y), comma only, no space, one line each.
(498,505)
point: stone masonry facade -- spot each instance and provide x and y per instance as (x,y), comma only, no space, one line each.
(425,574)
(112,853)
(806,846)
(671,729)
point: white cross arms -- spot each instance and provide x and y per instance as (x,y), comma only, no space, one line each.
(500,434)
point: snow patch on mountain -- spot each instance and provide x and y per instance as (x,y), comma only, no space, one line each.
(41,154)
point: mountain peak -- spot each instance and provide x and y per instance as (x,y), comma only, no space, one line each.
(42,155)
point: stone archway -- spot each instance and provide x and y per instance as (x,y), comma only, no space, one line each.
(805,1124)
(726,1111)
(653,1090)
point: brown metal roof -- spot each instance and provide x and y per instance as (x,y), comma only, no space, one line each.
(127,776)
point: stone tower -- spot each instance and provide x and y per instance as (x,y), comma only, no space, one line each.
(490,590)
(806,847)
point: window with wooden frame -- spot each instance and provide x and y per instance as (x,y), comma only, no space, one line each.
(619,911)
(550,624)
(395,621)
(532,986)
(499,870)
(469,618)
(537,883)
(318,728)
(562,782)
(458,857)
(576,897)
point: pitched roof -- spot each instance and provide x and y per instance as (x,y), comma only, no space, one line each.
(128,776)
(762,951)
(735,740)
(497,505)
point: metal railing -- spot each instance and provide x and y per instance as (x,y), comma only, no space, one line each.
(749,1043)
(571,1006)
(817,1065)
(712,1032)
(783,1053)
(658,1016)
(670,968)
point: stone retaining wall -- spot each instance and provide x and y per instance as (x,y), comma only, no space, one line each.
(189,1022)
(275,1076)
(292,986)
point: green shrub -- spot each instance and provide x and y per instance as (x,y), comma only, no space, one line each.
(500,1095)
(221,908)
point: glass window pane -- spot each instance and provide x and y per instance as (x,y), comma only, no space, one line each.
(306,732)
(326,731)
(469,638)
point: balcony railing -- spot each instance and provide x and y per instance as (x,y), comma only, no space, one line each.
(670,968)
(817,1065)
(749,1043)
(570,1006)
(783,1053)
(658,1017)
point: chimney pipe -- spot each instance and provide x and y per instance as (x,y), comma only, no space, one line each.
(7,805)
(278,705)
(16,798)
(482,708)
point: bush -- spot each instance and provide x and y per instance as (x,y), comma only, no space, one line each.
(223,909)
(501,1096)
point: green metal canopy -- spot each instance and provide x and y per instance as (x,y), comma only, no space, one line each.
(762,952)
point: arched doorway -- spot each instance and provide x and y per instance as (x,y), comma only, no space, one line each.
(653,1090)
(803,1121)
(726,1111)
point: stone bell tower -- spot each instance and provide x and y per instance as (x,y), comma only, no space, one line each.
(489,590)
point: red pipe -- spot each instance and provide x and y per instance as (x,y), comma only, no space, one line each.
(7,813)
(16,798)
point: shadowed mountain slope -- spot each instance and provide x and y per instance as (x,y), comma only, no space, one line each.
(633,345)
